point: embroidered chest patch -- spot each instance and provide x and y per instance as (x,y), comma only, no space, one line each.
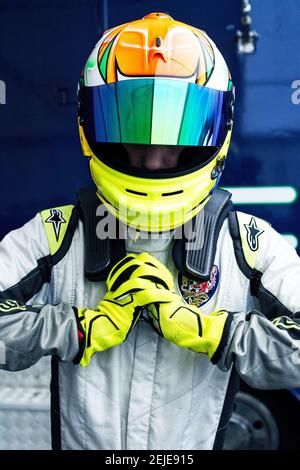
(197,292)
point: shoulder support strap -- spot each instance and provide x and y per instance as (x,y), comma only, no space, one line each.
(194,253)
(100,252)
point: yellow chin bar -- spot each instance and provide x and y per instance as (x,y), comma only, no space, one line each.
(153,205)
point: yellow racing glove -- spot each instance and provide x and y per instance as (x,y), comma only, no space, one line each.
(185,326)
(133,283)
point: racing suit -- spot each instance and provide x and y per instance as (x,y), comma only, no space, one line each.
(147,393)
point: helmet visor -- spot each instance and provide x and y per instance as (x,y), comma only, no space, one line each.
(157,111)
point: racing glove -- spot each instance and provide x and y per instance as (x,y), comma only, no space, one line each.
(185,326)
(133,283)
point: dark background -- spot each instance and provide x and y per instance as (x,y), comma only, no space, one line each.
(44,45)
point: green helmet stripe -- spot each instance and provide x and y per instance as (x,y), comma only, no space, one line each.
(104,61)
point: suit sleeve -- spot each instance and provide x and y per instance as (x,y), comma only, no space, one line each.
(264,344)
(30,326)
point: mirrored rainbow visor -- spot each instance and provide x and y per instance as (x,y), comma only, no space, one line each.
(159,111)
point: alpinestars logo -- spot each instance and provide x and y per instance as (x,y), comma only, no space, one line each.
(253,232)
(56,219)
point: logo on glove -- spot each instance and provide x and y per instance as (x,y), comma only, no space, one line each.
(199,293)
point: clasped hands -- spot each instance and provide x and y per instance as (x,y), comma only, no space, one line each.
(137,282)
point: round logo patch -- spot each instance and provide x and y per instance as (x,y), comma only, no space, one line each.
(196,292)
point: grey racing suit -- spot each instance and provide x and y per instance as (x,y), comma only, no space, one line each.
(148,393)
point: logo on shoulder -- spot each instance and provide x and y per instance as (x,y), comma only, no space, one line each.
(199,293)
(253,233)
(56,218)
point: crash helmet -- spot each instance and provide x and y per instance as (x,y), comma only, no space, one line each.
(155,88)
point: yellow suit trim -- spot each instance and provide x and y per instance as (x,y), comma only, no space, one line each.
(56,222)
